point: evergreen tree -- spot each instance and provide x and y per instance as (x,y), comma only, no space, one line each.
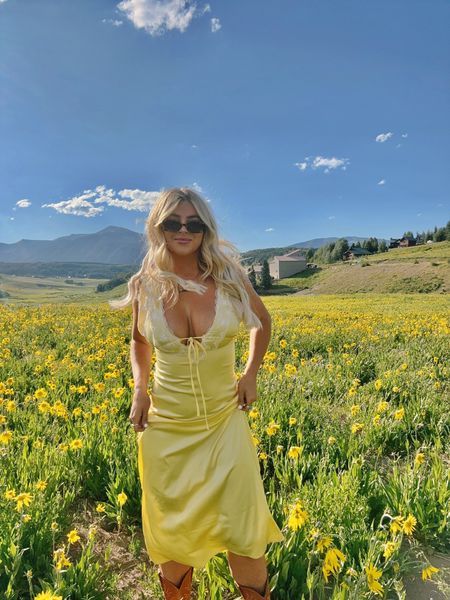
(266,281)
(252,278)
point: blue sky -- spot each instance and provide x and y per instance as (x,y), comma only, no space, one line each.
(296,119)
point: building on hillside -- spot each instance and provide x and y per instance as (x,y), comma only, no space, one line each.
(407,241)
(288,264)
(355,252)
(403,242)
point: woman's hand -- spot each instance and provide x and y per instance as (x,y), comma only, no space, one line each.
(139,410)
(246,391)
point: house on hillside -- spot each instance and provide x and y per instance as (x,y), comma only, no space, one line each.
(403,242)
(288,264)
(355,252)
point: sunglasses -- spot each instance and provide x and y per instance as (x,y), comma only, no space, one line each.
(192,226)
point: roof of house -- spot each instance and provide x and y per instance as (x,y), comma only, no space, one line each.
(357,250)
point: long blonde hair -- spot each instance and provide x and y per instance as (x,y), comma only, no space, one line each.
(217,257)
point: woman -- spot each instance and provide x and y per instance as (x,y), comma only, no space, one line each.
(202,491)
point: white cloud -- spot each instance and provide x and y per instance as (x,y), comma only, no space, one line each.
(24,203)
(84,205)
(419,214)
(321,161)
(331,217)
(404,135)
(382,182)
(115,22)
(1,1)
(382,137)
(159,16)
(215,24)
(269,229)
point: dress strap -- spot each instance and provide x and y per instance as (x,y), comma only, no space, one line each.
(194,348)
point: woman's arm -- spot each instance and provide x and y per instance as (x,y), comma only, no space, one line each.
(259,341)
(141,358)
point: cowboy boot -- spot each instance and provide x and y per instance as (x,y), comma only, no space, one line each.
(251,594)
(172,592)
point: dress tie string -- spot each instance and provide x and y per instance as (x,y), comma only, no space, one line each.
(194,348)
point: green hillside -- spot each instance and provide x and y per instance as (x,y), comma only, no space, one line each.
(420,269)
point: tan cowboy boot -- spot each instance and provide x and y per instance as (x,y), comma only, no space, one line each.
(251,594)
(172,592)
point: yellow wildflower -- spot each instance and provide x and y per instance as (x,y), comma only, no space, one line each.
(298,516)
(122,498)
(73,536)
(409,524)
(373,574)
(428,572)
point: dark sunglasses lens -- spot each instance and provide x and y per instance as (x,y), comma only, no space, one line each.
(195,226)
(174,226)
(171,225)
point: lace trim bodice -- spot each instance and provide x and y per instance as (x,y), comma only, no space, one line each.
(153,325)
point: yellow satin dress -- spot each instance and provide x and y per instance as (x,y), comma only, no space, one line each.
(202,491)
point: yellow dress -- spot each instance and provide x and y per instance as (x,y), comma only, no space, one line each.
(202,491)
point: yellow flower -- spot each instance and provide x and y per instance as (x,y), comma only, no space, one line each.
(263,456)
(357,427)
(297,517)
(382,406)
(419,459)
(122,498)
(283,343)
(292,420)
(428,572)
(376,419)
(60,559)
(23,499)
(389,549)
(253,413)
(40,393)
(295,451)
(355,409)
(395,389)
(5,437)
(272,428)
(279,448)
(409,524)
(332,563)
(399,414)
(378,384)
(324,543)
(100,507)
(41,485)
(10,494)
(397,524)
(73,536)
(373,574)
(76,444)
(331,440)
(47,596)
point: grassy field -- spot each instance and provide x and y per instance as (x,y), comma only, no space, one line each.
(351,427)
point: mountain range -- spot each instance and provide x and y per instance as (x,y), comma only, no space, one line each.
(112,245)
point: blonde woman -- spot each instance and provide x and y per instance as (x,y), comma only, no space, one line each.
(202,491)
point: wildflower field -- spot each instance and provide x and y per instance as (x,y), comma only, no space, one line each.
(351,426)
